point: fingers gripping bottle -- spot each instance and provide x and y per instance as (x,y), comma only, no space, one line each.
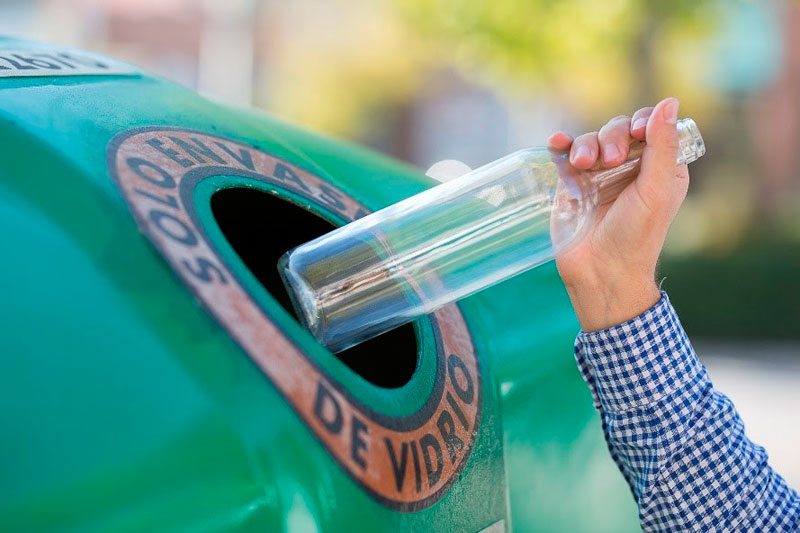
(452,240)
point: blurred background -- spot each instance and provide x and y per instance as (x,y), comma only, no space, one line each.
(427,80)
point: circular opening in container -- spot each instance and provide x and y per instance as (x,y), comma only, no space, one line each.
(261,227)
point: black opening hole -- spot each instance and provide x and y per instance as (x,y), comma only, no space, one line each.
(261,228)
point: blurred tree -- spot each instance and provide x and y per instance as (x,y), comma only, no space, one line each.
(598,56)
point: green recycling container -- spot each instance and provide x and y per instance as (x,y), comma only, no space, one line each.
(153,378)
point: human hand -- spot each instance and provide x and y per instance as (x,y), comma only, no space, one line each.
(610,273)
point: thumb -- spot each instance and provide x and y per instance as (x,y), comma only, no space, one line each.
(662,182)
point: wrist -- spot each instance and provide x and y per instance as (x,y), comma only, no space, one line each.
(600,304)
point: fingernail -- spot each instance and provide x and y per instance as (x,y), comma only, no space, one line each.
(671,111)
(582,152)
(610,153)
(639,123)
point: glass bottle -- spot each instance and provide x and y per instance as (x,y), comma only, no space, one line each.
(452,240)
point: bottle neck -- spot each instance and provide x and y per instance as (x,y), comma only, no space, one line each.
(608,183)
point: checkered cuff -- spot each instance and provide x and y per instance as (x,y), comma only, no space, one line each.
(637,363)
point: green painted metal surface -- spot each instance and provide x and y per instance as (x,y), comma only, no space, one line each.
(126,406)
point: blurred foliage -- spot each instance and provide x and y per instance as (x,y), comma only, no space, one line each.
(596,55)
(750,291)
(594,51)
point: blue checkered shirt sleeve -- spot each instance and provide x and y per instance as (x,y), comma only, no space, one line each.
(678,442)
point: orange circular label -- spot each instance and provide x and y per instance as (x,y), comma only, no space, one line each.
(406,463)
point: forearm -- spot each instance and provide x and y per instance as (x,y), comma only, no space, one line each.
(679,443)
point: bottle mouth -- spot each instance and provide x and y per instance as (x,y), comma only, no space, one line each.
(690,141)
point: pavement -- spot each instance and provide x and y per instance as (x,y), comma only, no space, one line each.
(763,381)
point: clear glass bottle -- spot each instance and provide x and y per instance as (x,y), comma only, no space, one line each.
(452,240)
